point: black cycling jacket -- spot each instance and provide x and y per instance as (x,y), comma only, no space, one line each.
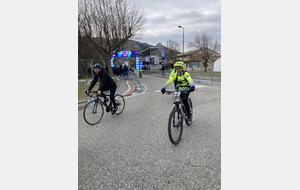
(105,81)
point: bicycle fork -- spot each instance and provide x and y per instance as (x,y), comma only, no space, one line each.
(182,114)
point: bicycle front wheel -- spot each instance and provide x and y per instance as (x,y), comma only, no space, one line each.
(93,112)
(175,126)
(120,101)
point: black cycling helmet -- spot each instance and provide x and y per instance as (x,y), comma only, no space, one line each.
(97,65)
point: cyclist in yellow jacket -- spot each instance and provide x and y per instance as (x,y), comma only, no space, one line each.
(184,82)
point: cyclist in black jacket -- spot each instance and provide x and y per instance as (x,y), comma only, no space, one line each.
(106,83)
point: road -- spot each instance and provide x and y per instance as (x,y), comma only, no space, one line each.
(133,151)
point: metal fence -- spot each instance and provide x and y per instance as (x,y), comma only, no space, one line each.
(136,81)
(210,78)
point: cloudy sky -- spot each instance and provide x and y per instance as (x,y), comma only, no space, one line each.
(164,17)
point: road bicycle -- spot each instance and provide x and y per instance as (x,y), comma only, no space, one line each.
(93,110)
(177,115)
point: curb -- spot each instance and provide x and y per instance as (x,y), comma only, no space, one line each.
(131,89)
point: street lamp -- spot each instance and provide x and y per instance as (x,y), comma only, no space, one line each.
(182,43)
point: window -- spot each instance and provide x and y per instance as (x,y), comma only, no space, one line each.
(193,65)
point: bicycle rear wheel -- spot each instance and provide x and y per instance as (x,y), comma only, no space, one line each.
(175,126)
(191,109)
(93,112)
(120,101)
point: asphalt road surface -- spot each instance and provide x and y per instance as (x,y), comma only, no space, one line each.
(133,151)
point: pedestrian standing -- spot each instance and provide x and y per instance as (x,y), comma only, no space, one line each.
(121,70)
(125,70)
(163,70)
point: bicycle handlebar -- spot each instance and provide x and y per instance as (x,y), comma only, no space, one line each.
(102,95)
(182,91)
(169,92)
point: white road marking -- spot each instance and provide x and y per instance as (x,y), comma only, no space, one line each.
(145,89)
(196,86)
(133,94)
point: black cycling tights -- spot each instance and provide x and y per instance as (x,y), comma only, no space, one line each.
(184,97)
(112,94)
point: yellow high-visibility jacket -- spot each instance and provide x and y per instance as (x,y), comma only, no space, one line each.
(184,81)
(173,71)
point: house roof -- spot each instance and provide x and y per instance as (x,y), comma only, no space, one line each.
(148,51)
(193,52)
(218,61)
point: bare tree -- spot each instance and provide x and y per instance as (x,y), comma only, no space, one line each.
(108,24)
(173,49)
(208,48)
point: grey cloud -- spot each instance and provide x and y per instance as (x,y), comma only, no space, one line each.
(193,15)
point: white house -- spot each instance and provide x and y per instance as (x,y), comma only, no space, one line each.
(217,65)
